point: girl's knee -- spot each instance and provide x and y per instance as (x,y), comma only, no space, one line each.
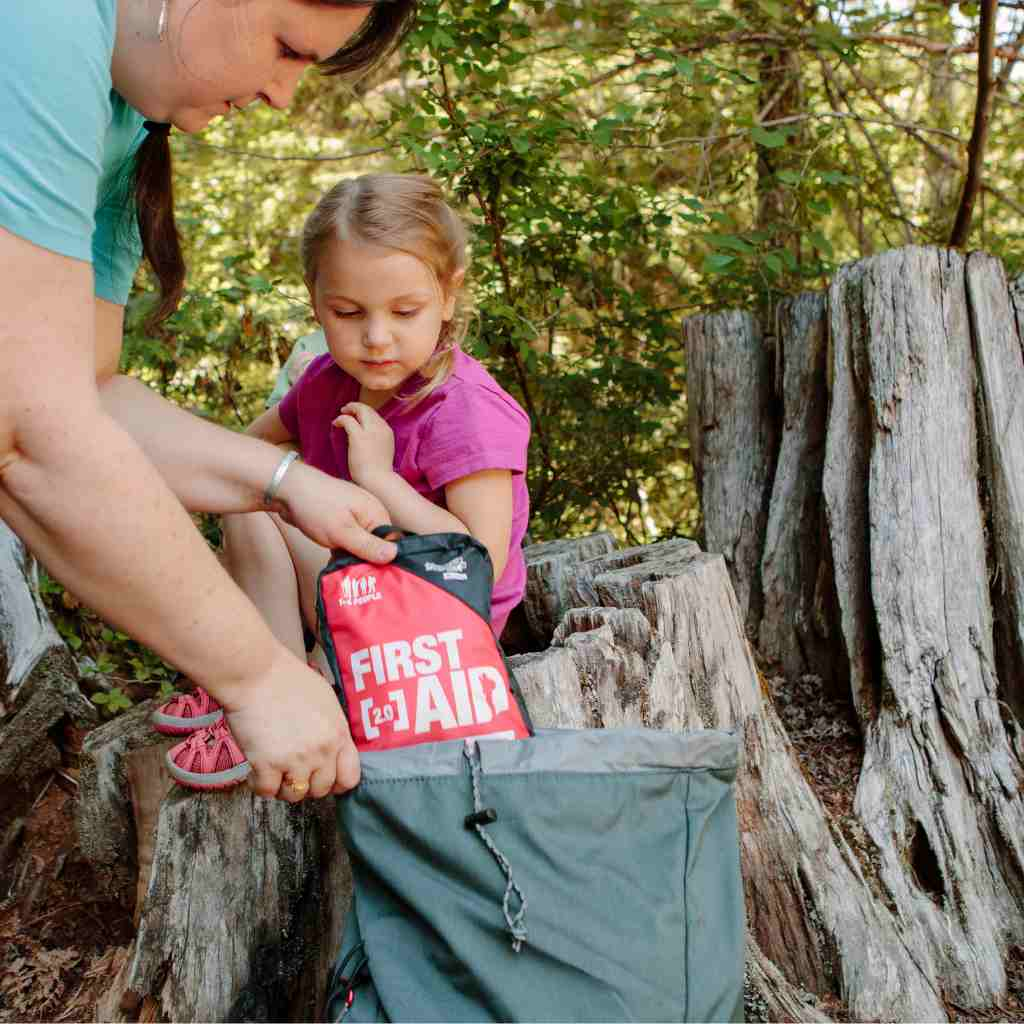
(249,536)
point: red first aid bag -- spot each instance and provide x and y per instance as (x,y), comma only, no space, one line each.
(410,645)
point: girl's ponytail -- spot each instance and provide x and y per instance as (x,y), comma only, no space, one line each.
(154,210)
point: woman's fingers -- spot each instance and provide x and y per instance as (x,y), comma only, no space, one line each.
(293,732)
(321,782)
(294,789)
(264,780)
(348,769)
(355,539)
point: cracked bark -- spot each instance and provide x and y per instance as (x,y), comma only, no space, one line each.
(922,484)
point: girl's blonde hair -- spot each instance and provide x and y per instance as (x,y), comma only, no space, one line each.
(406,212)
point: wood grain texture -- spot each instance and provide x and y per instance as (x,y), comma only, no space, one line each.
(844,485)
(548,567)
(38,678)
(733,443)
(997,325)
(798,630)
(243,906)
(939,790)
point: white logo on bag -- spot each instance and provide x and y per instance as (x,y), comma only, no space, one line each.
(355,592)
(453,570)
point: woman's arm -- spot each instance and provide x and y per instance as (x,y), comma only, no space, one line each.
(212,469)
(78,490)
(81,494)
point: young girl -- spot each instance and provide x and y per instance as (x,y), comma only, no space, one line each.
(394,406)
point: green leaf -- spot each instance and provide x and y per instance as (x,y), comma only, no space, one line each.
(820,242)
(773,262)
(788,177)
(716,262)
(768,139)
(734,242)
(603,130)
(685,67)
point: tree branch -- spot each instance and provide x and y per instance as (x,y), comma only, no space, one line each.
(979,133)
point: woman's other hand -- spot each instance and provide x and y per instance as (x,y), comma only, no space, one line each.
(371,442)
(292,730)
(334,513)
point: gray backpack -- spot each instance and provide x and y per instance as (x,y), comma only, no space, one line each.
(572,876)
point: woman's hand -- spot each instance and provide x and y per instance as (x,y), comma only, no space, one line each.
(371,442)
(293,732)
(333,513)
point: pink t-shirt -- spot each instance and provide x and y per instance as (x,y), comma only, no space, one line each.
(466,425)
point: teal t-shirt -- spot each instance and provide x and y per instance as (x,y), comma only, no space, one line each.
(67,139)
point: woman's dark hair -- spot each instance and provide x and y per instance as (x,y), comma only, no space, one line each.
(383,30)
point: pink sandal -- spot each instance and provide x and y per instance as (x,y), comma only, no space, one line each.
(208,759)
(187,712)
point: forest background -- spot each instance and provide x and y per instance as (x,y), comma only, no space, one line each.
(623,164)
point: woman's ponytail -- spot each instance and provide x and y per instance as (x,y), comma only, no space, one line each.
(154,210)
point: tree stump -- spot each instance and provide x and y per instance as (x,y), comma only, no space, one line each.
(548,567)
(39,691)
(244,904)
(939,790)
(733,442)
(665,649)
(920,572)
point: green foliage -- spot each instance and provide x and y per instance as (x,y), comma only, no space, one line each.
(112,702)
(102,651)
(622,163)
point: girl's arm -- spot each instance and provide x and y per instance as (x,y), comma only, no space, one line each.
(479,504)
(269,426)
(483,501)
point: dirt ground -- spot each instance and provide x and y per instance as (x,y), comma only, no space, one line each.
(61,930)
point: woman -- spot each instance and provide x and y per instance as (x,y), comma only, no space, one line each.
(95,468)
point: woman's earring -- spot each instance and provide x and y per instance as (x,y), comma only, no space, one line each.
(161,25)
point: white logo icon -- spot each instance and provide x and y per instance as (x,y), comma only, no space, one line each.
(453,570)
(358,591)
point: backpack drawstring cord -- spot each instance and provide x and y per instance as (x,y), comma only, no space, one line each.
(476,821)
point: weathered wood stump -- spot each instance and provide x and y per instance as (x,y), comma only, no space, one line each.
(665,649)
(733,442)
(240,913)
(549,566)
(905,539)
(39,691)
(939,790)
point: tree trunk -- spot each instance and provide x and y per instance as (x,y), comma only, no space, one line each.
(923,491)
(733,443)
(39,691)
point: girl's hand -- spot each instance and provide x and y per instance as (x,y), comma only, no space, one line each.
(371,443)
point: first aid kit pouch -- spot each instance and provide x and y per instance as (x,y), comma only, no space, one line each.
(410,645)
